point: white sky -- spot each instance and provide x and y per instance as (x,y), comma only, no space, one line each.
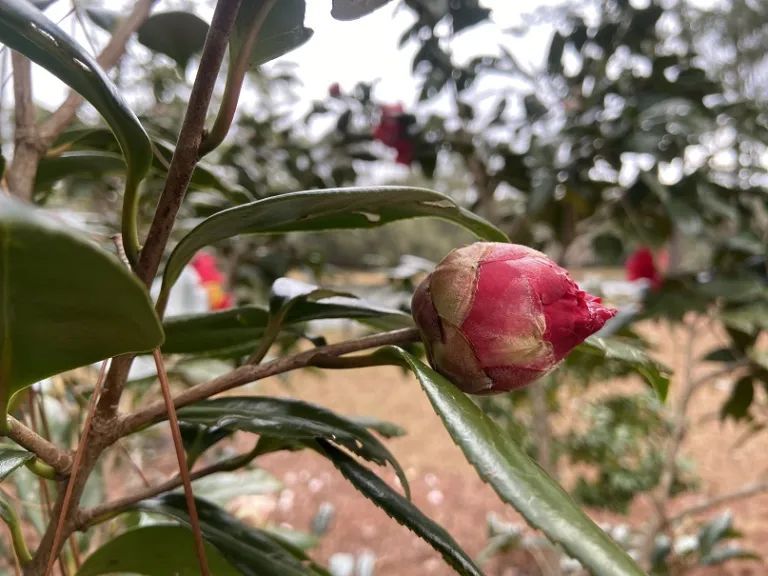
(349,52)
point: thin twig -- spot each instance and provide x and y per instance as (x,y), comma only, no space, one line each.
(21,172)
(57,458)
(245,374)
(178,444)
(744,492)
(81,445)
(97,514)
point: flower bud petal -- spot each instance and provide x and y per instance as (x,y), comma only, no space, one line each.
(496,317)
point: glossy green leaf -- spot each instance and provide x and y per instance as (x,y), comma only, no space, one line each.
(518,480)
(354,9)
(252,551)
(77,163)
(331,209)
(179,35)
(64,302)
(290,419)
(155,550)
(12,458)
(241,327)
(27,30)
(400,509)
(656,374)
(282,31)
(198,438)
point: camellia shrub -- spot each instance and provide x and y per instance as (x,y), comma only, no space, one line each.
(492,316)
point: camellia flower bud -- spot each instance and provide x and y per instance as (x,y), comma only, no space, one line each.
(495,317)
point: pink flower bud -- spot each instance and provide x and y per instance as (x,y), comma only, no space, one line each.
(495,317)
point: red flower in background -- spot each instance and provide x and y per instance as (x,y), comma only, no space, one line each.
(496,317)
(641,264)
(334,90)
(212,280)
(392,130)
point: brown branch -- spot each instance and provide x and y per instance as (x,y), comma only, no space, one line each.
(87,518)
(251,373)
(21,172)
(57,458)
(180,171)
(109,57)
(746,491)
(181,456)
(105,417)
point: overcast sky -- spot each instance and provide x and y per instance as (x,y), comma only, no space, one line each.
(349,52)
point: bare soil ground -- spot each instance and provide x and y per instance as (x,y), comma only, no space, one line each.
(447,488)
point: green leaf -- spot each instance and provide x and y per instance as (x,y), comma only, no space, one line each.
(241,327)
(400,509)
(518,480)
(723,555)
(554,59)
(353,9)
(282,31)
(79,162)
(105,19)
(300,540)
(156,550)
(286,293)
(750,318)
(197,438)
(714,531)
(722,355)
(331,209)
(252,551)
(8,515)
(27,30)
(655,373)
(64,302)
(385,429)
(221,488)
(291,419)
(179,35)
(738,403)
(11,459)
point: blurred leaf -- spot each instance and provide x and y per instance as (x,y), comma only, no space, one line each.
(286,293)
(723,555)
(178,35)
(611,348)
(354,9)
(156,550)
(518,480)
(222,488)
(27,30)
(331,209)
(714,531)
(252,551)
(77,163)
(197,438)
(608,247)
(291,419)
(242,326)
(749,318)
(722,355)
(11,459)
(300,540)
(105,19)
(385,429)
(282,31)
(734,289)
(554,59)
(400,509)
(737,405)
(66,296)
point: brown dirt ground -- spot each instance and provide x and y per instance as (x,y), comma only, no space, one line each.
(446,487)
